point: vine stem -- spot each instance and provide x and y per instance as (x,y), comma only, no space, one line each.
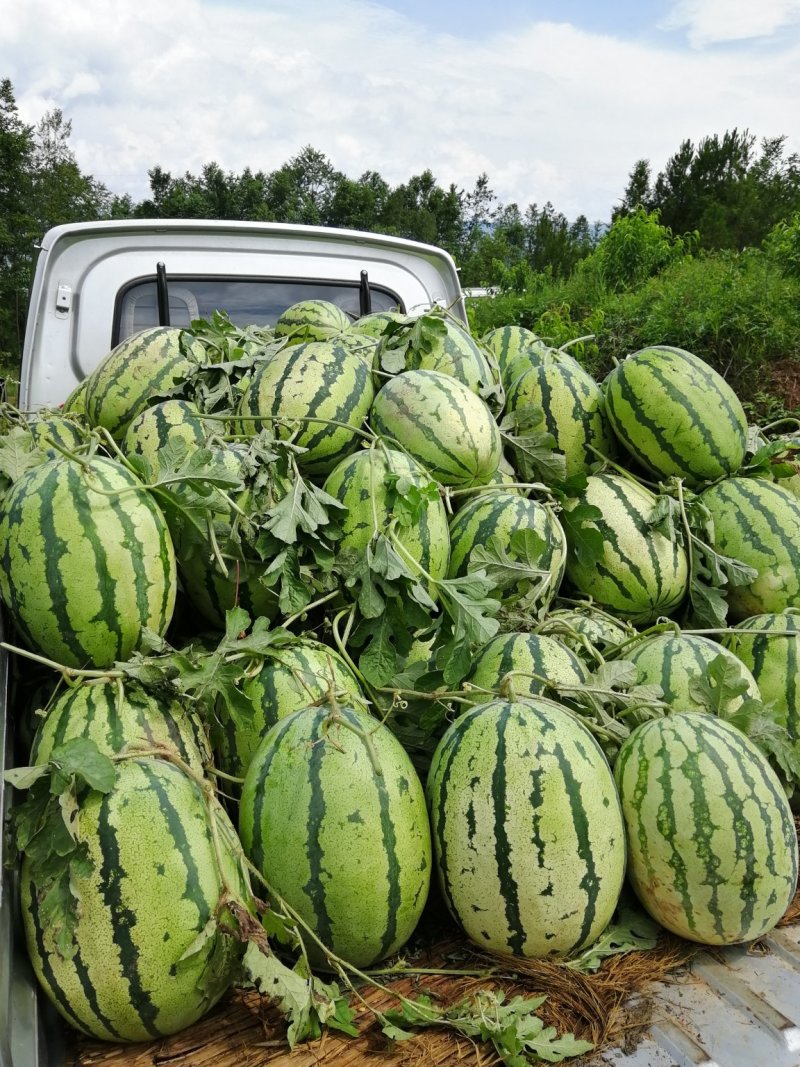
(67,672)
(309,607)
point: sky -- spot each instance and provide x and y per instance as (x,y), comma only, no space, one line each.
(552,100)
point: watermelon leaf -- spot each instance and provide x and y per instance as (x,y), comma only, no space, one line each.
(533,445)
(307,1002)
(630,930)
(514,568)
(44,828)
(517,1034)
(584,540)
(18,454)
(720,686)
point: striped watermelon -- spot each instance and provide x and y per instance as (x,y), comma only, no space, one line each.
(76,401)
(586,630)
(515,350)
(711,838)
(770,646)
(442,424)
(115,717)
(143,366)
(339,829)
(454,353)
(758,523)
(675,415)
(213,593)
(527,828)
(502,514)
(641,573)
(316,380)
(50,430)
(291,678)
(311,320)
(374,324)
(362,483)
(552,664)
(574,412)
(171,420)
(140,969)
(673,661)
(87,561)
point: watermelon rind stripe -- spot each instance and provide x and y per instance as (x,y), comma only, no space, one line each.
(112,877)
(502,851)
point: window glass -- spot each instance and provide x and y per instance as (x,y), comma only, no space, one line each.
(247,301)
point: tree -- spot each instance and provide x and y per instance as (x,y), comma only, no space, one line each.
(637,191)
(16,224)
(723,188)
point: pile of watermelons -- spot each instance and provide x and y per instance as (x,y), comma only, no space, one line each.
(392,603)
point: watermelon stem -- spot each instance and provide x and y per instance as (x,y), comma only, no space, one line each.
(309,607)
(69,674)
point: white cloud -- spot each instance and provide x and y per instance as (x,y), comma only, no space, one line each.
(716,21)
(550,112)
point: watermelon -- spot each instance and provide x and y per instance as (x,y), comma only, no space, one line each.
(76,401)
(115,717)
(137,968)
(307,381)
(544,663)
(674,661)
(527,829)
(311,320)
(50,430)
(364,484)
(171,420)
(641,574)
(333,814)
(451,350)
(291,678)
(770,646)
(711,840)
(574,412)
(514,350)
(374,324)
(758,523)
(586,630)
(501,515)
(145,365)
(213,593)
(87,561)
(442,424)
(676,415)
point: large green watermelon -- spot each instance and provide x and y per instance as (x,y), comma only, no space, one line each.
(87,561)
(527,828)
(711,838)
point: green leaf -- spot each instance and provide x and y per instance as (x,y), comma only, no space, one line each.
(80,760)
(630,930)
(306,1002)
(585,541)
(378,660)
(516,567)
(720,686)
(18,454)
(533,445)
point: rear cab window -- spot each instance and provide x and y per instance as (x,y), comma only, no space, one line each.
(247,301)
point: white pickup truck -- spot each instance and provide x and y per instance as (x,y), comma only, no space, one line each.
(95,284)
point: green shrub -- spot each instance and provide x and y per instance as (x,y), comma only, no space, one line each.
(635,248)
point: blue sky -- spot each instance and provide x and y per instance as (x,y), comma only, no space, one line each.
(554,101)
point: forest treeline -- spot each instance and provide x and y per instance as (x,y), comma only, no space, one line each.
(726,193)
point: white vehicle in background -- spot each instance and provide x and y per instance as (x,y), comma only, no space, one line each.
(95,284)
